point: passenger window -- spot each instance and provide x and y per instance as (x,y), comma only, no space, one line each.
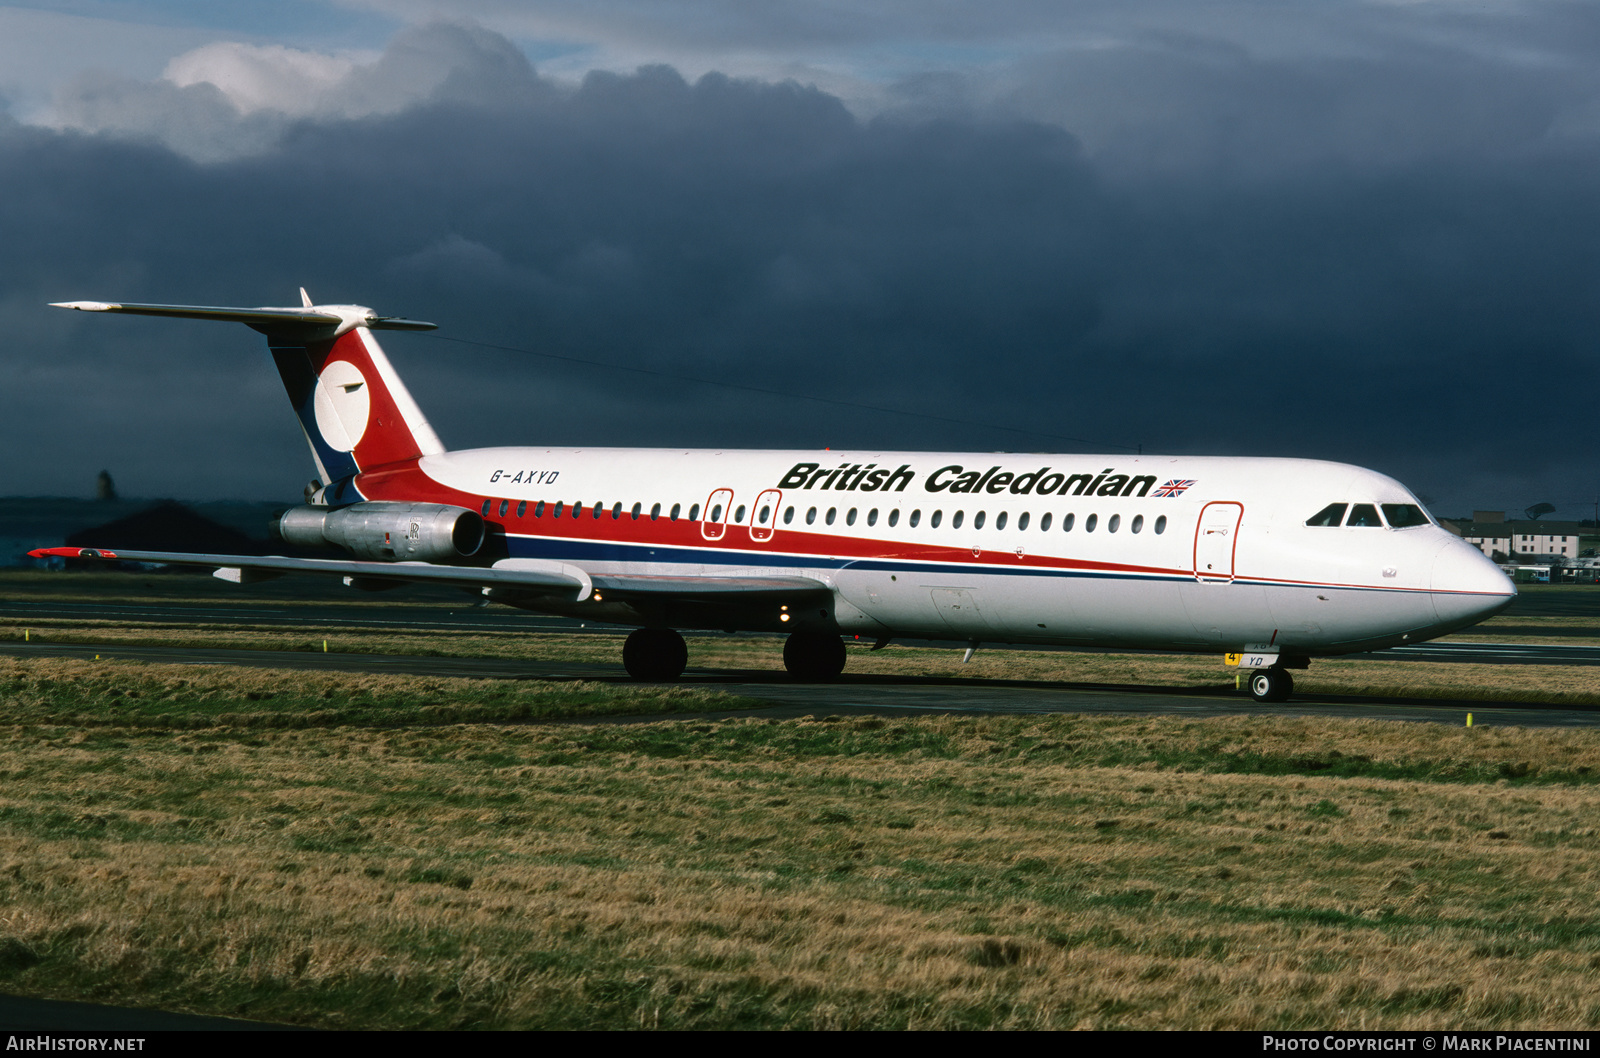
(872,516)
(1044,523)
(788,515)
(674,513)
(738,515)
(694,512)
(598,507)
(1138,523)
(538,509)
(1403,515)
(916,516)
(933,522)
(765,511)
(1089,523)
(505,505)
(1066,522)
(486,505)
(655,511)
(977,520)
(894,517)
(635,512)
(811,516)
(1161,525)
(1332,514)
(716,513)
(557,512)
(833,512)
(616,512)
(1114,524)
(522,508)
(850,517)
(1364,516)
(955,519)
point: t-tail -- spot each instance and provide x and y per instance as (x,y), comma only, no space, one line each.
(356,413)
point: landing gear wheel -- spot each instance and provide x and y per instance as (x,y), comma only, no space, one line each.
(1271,685)
(813,657)
(655,654)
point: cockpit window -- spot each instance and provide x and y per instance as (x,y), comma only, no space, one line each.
(1332,514)
(1366,515)
(1403,515)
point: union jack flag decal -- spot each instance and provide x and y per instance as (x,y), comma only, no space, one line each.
(1173,487)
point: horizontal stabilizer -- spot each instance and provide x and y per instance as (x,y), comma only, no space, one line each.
(307,321)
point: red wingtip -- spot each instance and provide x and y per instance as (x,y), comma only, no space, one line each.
(71,552)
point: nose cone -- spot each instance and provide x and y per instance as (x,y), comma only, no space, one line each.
(1467,587)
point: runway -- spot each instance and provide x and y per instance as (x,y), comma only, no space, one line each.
(451,614)
(862,693)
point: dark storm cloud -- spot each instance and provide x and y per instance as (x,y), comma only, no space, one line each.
(1433,315)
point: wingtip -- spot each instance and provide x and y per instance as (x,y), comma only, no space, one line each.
(83,306)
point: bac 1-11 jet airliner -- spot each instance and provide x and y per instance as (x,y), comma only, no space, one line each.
(1270,562)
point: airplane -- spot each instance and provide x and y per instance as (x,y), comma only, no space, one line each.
(1268,562)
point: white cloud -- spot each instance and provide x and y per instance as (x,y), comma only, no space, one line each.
(227,99)
(267,77)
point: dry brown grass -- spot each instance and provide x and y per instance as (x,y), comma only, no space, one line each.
(930,873)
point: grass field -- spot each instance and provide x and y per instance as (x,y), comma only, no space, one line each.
(384,852)
(934,872)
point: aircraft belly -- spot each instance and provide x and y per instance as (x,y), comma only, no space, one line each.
(1228,613)
(1146,613)
(1082,611)
(1326,618)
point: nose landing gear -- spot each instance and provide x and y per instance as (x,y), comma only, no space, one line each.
(1271,685)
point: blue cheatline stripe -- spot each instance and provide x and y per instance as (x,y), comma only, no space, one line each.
(612,551)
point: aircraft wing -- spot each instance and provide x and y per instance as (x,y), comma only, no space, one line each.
(535,574)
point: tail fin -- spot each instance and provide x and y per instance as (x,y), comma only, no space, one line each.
(355,411)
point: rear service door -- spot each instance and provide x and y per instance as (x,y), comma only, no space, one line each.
(1216,541)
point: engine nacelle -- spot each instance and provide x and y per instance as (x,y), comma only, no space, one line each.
(388,532)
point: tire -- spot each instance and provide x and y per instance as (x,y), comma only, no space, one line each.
(1271,685)
(655,654)
(813,657)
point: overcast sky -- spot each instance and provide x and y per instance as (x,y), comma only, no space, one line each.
(1367,232)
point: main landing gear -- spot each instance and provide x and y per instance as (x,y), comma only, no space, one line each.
(659,654)
(1271,685)
(813,657)
(655,654)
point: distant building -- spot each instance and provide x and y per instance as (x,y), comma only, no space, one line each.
(1522,541)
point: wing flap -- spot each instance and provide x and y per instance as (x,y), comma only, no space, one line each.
(524,573)
(247,568)
(710,587)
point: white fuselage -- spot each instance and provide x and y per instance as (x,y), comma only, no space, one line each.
(1200,554)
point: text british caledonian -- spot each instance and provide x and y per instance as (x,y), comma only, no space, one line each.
(1046,481)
